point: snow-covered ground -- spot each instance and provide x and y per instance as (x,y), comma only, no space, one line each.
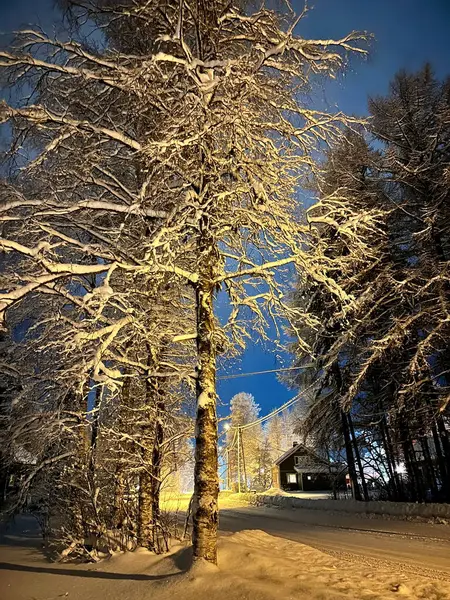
(252,566)
(179,502)
(305,495)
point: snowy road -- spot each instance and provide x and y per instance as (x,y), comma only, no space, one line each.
(411,549)
(412,546)
(252,566)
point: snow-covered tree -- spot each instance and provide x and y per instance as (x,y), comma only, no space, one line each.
(206,186)
(247,446)
(380,367)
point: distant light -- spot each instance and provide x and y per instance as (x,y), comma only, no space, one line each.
(226,426)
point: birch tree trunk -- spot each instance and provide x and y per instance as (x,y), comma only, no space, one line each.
(206,490)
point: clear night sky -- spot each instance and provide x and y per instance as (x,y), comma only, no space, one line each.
(407,34)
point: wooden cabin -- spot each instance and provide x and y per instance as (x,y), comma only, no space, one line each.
(301,469)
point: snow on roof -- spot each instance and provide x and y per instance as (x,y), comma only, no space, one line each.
(304,450)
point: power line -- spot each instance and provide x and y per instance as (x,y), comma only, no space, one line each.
(281,370)
(238,436)
(240,428)
(287,404)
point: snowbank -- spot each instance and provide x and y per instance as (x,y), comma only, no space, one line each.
(256,566)
(377,507)
(252,566)
(300,495)
(275,492)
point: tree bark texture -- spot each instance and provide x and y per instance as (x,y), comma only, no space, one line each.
(121,480)
(414,474)
(206,490)
(145,507)
(396,492)
(119,497)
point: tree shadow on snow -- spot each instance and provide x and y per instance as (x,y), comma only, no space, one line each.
(76,573)
(183,559)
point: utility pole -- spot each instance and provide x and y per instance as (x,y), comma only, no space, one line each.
(239,458)
(243,464)
(228,470)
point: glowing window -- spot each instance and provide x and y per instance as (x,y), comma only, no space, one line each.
(291,478)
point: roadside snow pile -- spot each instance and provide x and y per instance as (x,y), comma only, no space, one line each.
(252,566)
(275,492)
(256,566)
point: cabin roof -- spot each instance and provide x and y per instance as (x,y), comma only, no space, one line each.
(304,450)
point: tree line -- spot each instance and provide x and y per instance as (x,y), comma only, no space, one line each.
(381,362)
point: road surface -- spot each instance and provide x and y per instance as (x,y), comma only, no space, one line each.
(418,547)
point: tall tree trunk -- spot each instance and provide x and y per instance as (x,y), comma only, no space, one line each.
(119,497)
(350,457)
(206,490)
(159,538)
(120,486)
(445,445)
(429,468)
(145,499)
(444,467)
(80,468)
(146,504)
(336,370)
(395,489)
(149,485)
(390,461)
(94,429)
(444,437)
(411,466)
(358,457)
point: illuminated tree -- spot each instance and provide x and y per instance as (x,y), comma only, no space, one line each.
(226,136)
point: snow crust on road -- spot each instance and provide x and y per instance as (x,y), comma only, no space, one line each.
(252,566)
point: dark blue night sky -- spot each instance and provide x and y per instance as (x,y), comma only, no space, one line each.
(407,33)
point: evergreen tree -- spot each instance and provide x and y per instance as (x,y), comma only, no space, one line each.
(382,364)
